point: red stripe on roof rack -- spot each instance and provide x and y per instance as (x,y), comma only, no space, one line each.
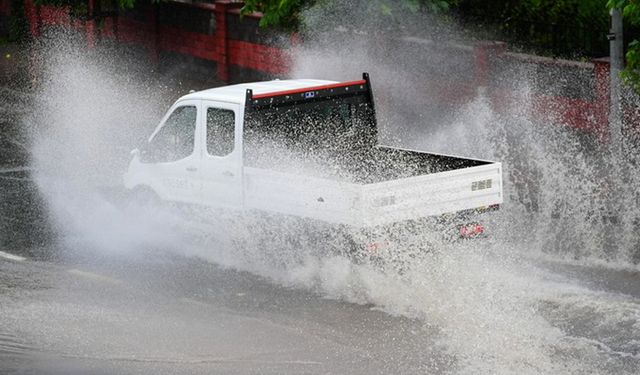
(306,89)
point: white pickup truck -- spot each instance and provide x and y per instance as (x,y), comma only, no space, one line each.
(305,148)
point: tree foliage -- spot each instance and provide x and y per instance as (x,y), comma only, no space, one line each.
(568,28)
(282,13)
(631,14)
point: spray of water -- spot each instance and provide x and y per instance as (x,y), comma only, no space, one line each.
(494,309)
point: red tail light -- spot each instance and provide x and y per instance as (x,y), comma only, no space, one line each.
(471,230)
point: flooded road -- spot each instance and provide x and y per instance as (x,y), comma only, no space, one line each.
(79,311)
(168,315)
(88,286)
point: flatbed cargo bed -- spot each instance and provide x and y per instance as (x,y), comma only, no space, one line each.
(377,199)
(373,165)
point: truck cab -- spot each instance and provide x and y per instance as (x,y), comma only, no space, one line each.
(195,154)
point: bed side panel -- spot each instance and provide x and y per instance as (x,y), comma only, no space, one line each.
(430,195)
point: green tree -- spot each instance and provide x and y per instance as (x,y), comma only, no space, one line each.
(631,14)
(282,13)
(569,28)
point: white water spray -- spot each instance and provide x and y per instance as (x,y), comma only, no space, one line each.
(486,300)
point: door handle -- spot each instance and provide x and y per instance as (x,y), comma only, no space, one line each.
(192,169)
(227,174)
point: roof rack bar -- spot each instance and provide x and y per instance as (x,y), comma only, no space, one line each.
(310,94)
(306,89)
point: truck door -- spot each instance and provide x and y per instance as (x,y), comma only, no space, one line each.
(221,171)
(172,157)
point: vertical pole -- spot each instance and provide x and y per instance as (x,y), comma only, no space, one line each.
(221,40)
(615,196)
(617,64)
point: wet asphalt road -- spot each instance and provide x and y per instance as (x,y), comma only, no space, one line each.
(81,311)
(152,313)
(68,311)
(78,311)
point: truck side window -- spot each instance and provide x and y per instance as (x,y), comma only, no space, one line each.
(220,131)
(175,140)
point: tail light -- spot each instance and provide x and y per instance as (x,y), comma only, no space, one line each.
(471,230)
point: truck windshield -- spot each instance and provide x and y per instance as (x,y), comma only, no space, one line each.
(310,132)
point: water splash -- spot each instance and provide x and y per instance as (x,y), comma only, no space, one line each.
(488,302)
